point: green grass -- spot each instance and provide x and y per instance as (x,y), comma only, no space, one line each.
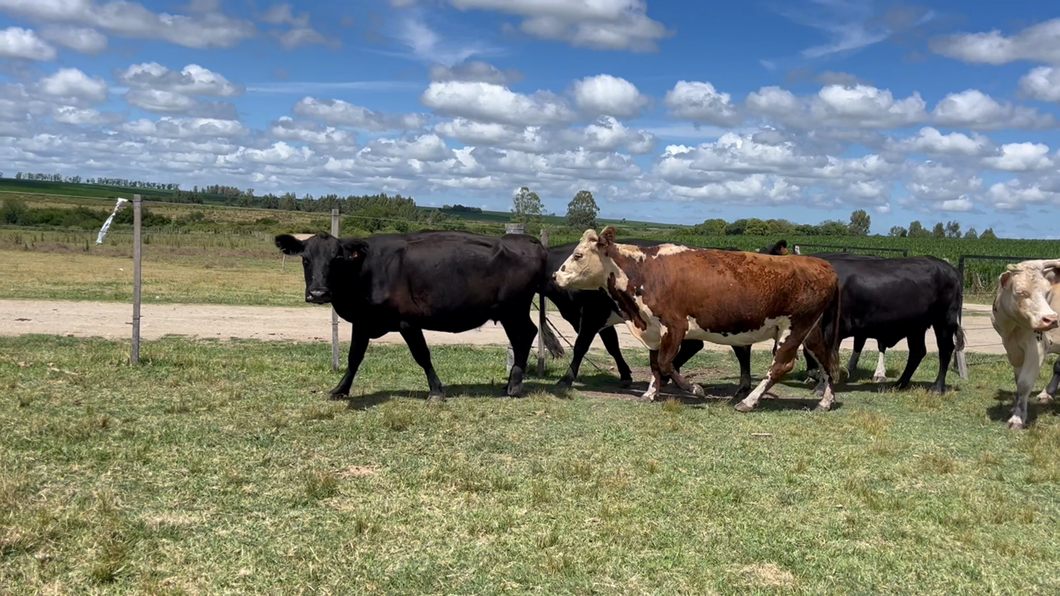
(219,467)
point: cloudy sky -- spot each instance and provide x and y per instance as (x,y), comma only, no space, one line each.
(668,111)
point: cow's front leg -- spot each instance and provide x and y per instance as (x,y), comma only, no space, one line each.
(656,377)
(855,356)
(669,346)
(358,346)
(422,355)
(743,356)
(1026,376)
(581,346)
(881,366)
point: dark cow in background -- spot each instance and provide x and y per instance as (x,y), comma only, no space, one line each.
(592,312)
(891,299)
(440,281)
(668,292)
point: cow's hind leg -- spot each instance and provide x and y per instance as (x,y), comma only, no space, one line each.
(358,346)
(581,345)
(422,355)
(743,356)
(689,348)
(521,332)
(783,362)
(1048,395)
(944,339)
(656,377)
(609,336)
(917,351)
(855,356)
(881,364)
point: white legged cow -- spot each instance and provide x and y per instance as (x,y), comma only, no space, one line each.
(1025,316)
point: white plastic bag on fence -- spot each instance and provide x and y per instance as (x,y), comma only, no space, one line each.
(106,224)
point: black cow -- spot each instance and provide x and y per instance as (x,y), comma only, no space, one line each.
(440,281)
(900,298)
(593,312)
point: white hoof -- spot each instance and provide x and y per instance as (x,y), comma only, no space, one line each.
(1015,423)
(879,378)
(1045,398)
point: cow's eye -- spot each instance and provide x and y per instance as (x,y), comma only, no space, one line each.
(577,256)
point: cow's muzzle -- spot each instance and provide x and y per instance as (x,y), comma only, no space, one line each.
(1047,323)
(318,296)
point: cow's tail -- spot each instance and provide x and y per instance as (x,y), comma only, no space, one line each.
(832,340)
(959,361)
(552,343)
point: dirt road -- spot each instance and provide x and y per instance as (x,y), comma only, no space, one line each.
(113,320)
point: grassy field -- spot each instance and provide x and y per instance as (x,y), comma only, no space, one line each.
(220,468)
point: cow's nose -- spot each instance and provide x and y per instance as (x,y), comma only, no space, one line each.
(1049,322)
(312,295)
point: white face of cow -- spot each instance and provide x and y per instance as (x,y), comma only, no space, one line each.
(1024,294)
(587,268)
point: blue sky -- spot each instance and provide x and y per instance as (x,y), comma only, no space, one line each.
(667,111)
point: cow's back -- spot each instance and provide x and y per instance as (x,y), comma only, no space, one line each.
(451,278)
(883,297)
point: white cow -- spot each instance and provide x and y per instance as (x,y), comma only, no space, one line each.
(1025,316)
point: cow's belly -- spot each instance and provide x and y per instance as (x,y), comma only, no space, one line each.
(651,336)
(772,329)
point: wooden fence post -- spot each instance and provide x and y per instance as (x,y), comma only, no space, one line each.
(334,315)
(542,320)
(134,358)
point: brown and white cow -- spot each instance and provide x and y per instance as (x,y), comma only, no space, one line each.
(668,293)
(1025,316)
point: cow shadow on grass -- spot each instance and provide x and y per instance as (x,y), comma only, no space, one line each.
(718,390)
(1005,400)
(364,401)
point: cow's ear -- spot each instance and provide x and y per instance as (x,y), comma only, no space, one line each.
(353,249)
(289,245)
(607,236)
(1004,279)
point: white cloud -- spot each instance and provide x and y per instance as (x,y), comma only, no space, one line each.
(937,186)
(72,83)
(428,147)
(595,24)
(1021,157)
(192,80)
(857,106)
(187,128)
(976,110)
(156,100)
(1042,83)
(78,39)
(1016,194)
(303,131)
(608,134)
(131,19)
(932,142)
(427,45)
(84,116)
(605,95)
(1038,43)
(485,102)
(340,113)
(16,42)
(474,71)
(701,102)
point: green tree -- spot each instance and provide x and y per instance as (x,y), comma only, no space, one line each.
(988,234)
(833,228)
(860,222)
(953,229)
(712,227)
(288,202)
(898,232)
(758,227)
(582,210)
(736,228)
(917,230)
(939,231)
(971,234)
(526,206)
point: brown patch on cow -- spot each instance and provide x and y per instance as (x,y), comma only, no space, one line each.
(626,303)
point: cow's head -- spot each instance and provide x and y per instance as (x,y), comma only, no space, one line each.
(589,266)
(780,248)
(1024,291)
(325,260)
